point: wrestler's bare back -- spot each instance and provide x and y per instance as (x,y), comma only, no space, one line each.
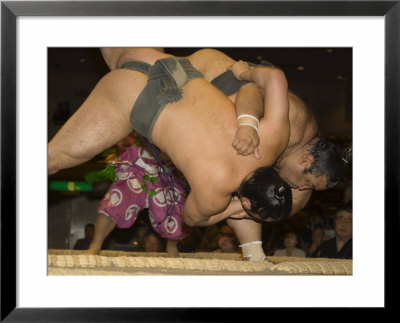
(196,132)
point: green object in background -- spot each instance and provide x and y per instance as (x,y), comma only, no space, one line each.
(70,186)
(106,174)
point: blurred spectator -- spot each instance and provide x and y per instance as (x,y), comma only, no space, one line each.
(348,192)
(137,243)
(314,219)
(83,244)
(340,246)
(290,242)
(209,240)
(317,237)
(152,242)
(227,241)
(192,242)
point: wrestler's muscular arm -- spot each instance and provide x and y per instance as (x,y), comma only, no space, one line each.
(266,96)
(249,101)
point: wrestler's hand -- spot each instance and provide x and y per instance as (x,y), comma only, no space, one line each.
(238,68)
(246,142)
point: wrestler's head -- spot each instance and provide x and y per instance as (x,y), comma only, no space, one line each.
(319,165)
(265,196)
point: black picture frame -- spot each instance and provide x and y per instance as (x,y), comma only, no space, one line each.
(10,10)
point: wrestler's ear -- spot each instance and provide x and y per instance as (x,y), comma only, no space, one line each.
(246,203)
(306,161)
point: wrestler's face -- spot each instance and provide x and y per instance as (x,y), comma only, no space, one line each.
(293,171)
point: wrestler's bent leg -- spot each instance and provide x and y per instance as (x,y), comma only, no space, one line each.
(101,121)
(116,56)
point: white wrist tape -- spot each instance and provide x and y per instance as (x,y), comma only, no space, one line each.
(249,243)
(248,124)
(248,120)
(248,116)
(253,251)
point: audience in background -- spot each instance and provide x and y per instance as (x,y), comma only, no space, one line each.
(220,238)
(83,244)
(348,192)
(314,219)
(290,247)
(137,243)
(317,237)
(192,242)
(209,240)
(152,242)
(340,246)
(227,241)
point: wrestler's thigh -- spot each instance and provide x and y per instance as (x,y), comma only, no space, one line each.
(103,119)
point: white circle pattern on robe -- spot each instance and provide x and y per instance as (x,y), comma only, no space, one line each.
(164,197)
(115,197)
(134,185)
(171,225)
(131,210)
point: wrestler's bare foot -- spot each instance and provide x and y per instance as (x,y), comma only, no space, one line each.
(102,229)
(172,248)
(93,250)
